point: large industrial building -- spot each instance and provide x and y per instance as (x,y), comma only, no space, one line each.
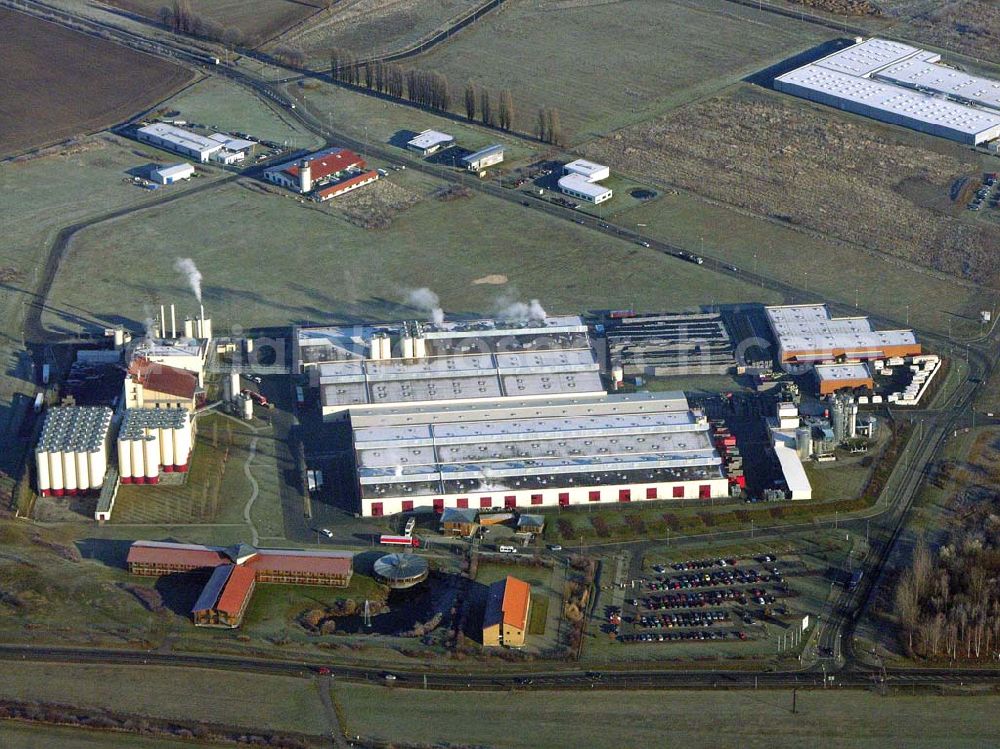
(483,158)
(901,85)
(456,362)
(236,570)
(151,385)
(808,334)
(152,440)
(581,179)
(508,610)
(660,345)
(534,453)
(323,175)
(848,376)
(219,147)
(72,454)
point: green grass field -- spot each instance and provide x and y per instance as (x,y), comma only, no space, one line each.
(24,736)
(298,264)
(605,65)
(163,692)
(690,719)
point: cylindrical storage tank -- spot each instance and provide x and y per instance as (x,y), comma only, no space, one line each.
(82,470)
(151,449)
(249,345)
(234,385)
(167,448)
(188,327)
(375,345)
(206,327)
(56,473)
(182,446)
(407,347)
(98,465)
(69,472)
(119,337)
(386,347)
(138,461)
(247,408)
(617,374)
(420,347)
(42,465)
(125,461)
(803,442)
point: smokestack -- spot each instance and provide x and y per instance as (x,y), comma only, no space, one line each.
(202,308)
(173,322)
(163,322)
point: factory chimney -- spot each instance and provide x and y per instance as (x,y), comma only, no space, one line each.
(305,177)
(173,322)
(163,322)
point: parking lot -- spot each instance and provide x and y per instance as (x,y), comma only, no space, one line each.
(705,599)
(987,195)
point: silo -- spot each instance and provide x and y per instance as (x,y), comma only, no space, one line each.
(231,386)
(839,419)
(420,347)
(138,460)
(852,420)
(803,442)
(386,347)
(82,469)
(305,177)
(182,444)
(56,473)
(167,447)
(119,338)
(617,374)
(97,460)
(376,347)
(247,408)
(125,460)
(151,455)
(69,470)
(407,346)
(188,327)
(42,465)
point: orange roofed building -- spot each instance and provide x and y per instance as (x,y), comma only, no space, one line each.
(235,572)
(508,607)
(154,385)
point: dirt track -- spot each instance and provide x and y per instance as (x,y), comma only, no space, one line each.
(57,83)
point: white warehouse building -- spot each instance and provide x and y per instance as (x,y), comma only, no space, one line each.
(581,180)
(901,85)
(532,454)
(72,453)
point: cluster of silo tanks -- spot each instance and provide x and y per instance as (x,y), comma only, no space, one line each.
(412,343)
(151,440)
(72,454)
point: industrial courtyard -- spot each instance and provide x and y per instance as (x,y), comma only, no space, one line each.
(388,383)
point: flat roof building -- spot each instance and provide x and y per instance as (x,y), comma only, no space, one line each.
(384,365)
(168,175)
(901,85)
(834,377)
(807,333)
(485,157)
(430,141)
(508,610)
(619,448)
(580,180)
(179,140)
(792,470)
(324,174)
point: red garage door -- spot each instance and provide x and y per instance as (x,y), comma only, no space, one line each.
(624,495)
(536,499)
(705,491)
(510,502)
(462,502)
(678,492)
(438,505)
(651,492)
(376,509)
(486,501)
(564,499)
(595,496)
(407,505)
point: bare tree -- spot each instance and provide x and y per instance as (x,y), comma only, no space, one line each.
(485,107)
(470,101)
(543,124)
(506,107)
(908,605)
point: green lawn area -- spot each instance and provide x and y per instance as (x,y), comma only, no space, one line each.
(840,479)
(835,719)
(490,573)
(27,736)
(189,693)
(539,612)
(605,65)
(219,103)
(299,264)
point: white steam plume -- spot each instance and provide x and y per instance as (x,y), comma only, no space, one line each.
(186,267)
(427,301)
(508,308)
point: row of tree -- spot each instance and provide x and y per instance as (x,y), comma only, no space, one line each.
(180,18)
(501,115)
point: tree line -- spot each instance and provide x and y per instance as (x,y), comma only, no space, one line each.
(179,17)
(433,90)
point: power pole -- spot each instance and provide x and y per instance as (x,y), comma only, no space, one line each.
(795,694)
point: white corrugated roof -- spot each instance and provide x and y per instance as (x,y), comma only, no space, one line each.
(579,183)
(867,57)
(928,76)
(431,138)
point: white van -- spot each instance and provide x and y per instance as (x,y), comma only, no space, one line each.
(508,549)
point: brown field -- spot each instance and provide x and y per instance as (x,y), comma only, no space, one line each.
(852,179)
(98,83)
(256,21)
(971,27)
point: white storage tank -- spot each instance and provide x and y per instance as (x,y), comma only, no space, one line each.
(407,347)
(125,461)
(97,460)
(69,471)
(247,408)
(420,347)
(167,448)
(56,473)
(386,347)
(138,461)
(617,374)
(205,329)
(82,470)
(188,327)
(151,456)
(231,386)
(42,466)
(182,445)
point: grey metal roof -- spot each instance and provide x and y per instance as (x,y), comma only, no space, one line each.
(482,153)
(213,588)
(75,429)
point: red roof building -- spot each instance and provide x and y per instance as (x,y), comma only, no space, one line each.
(326,163)
(154,383)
